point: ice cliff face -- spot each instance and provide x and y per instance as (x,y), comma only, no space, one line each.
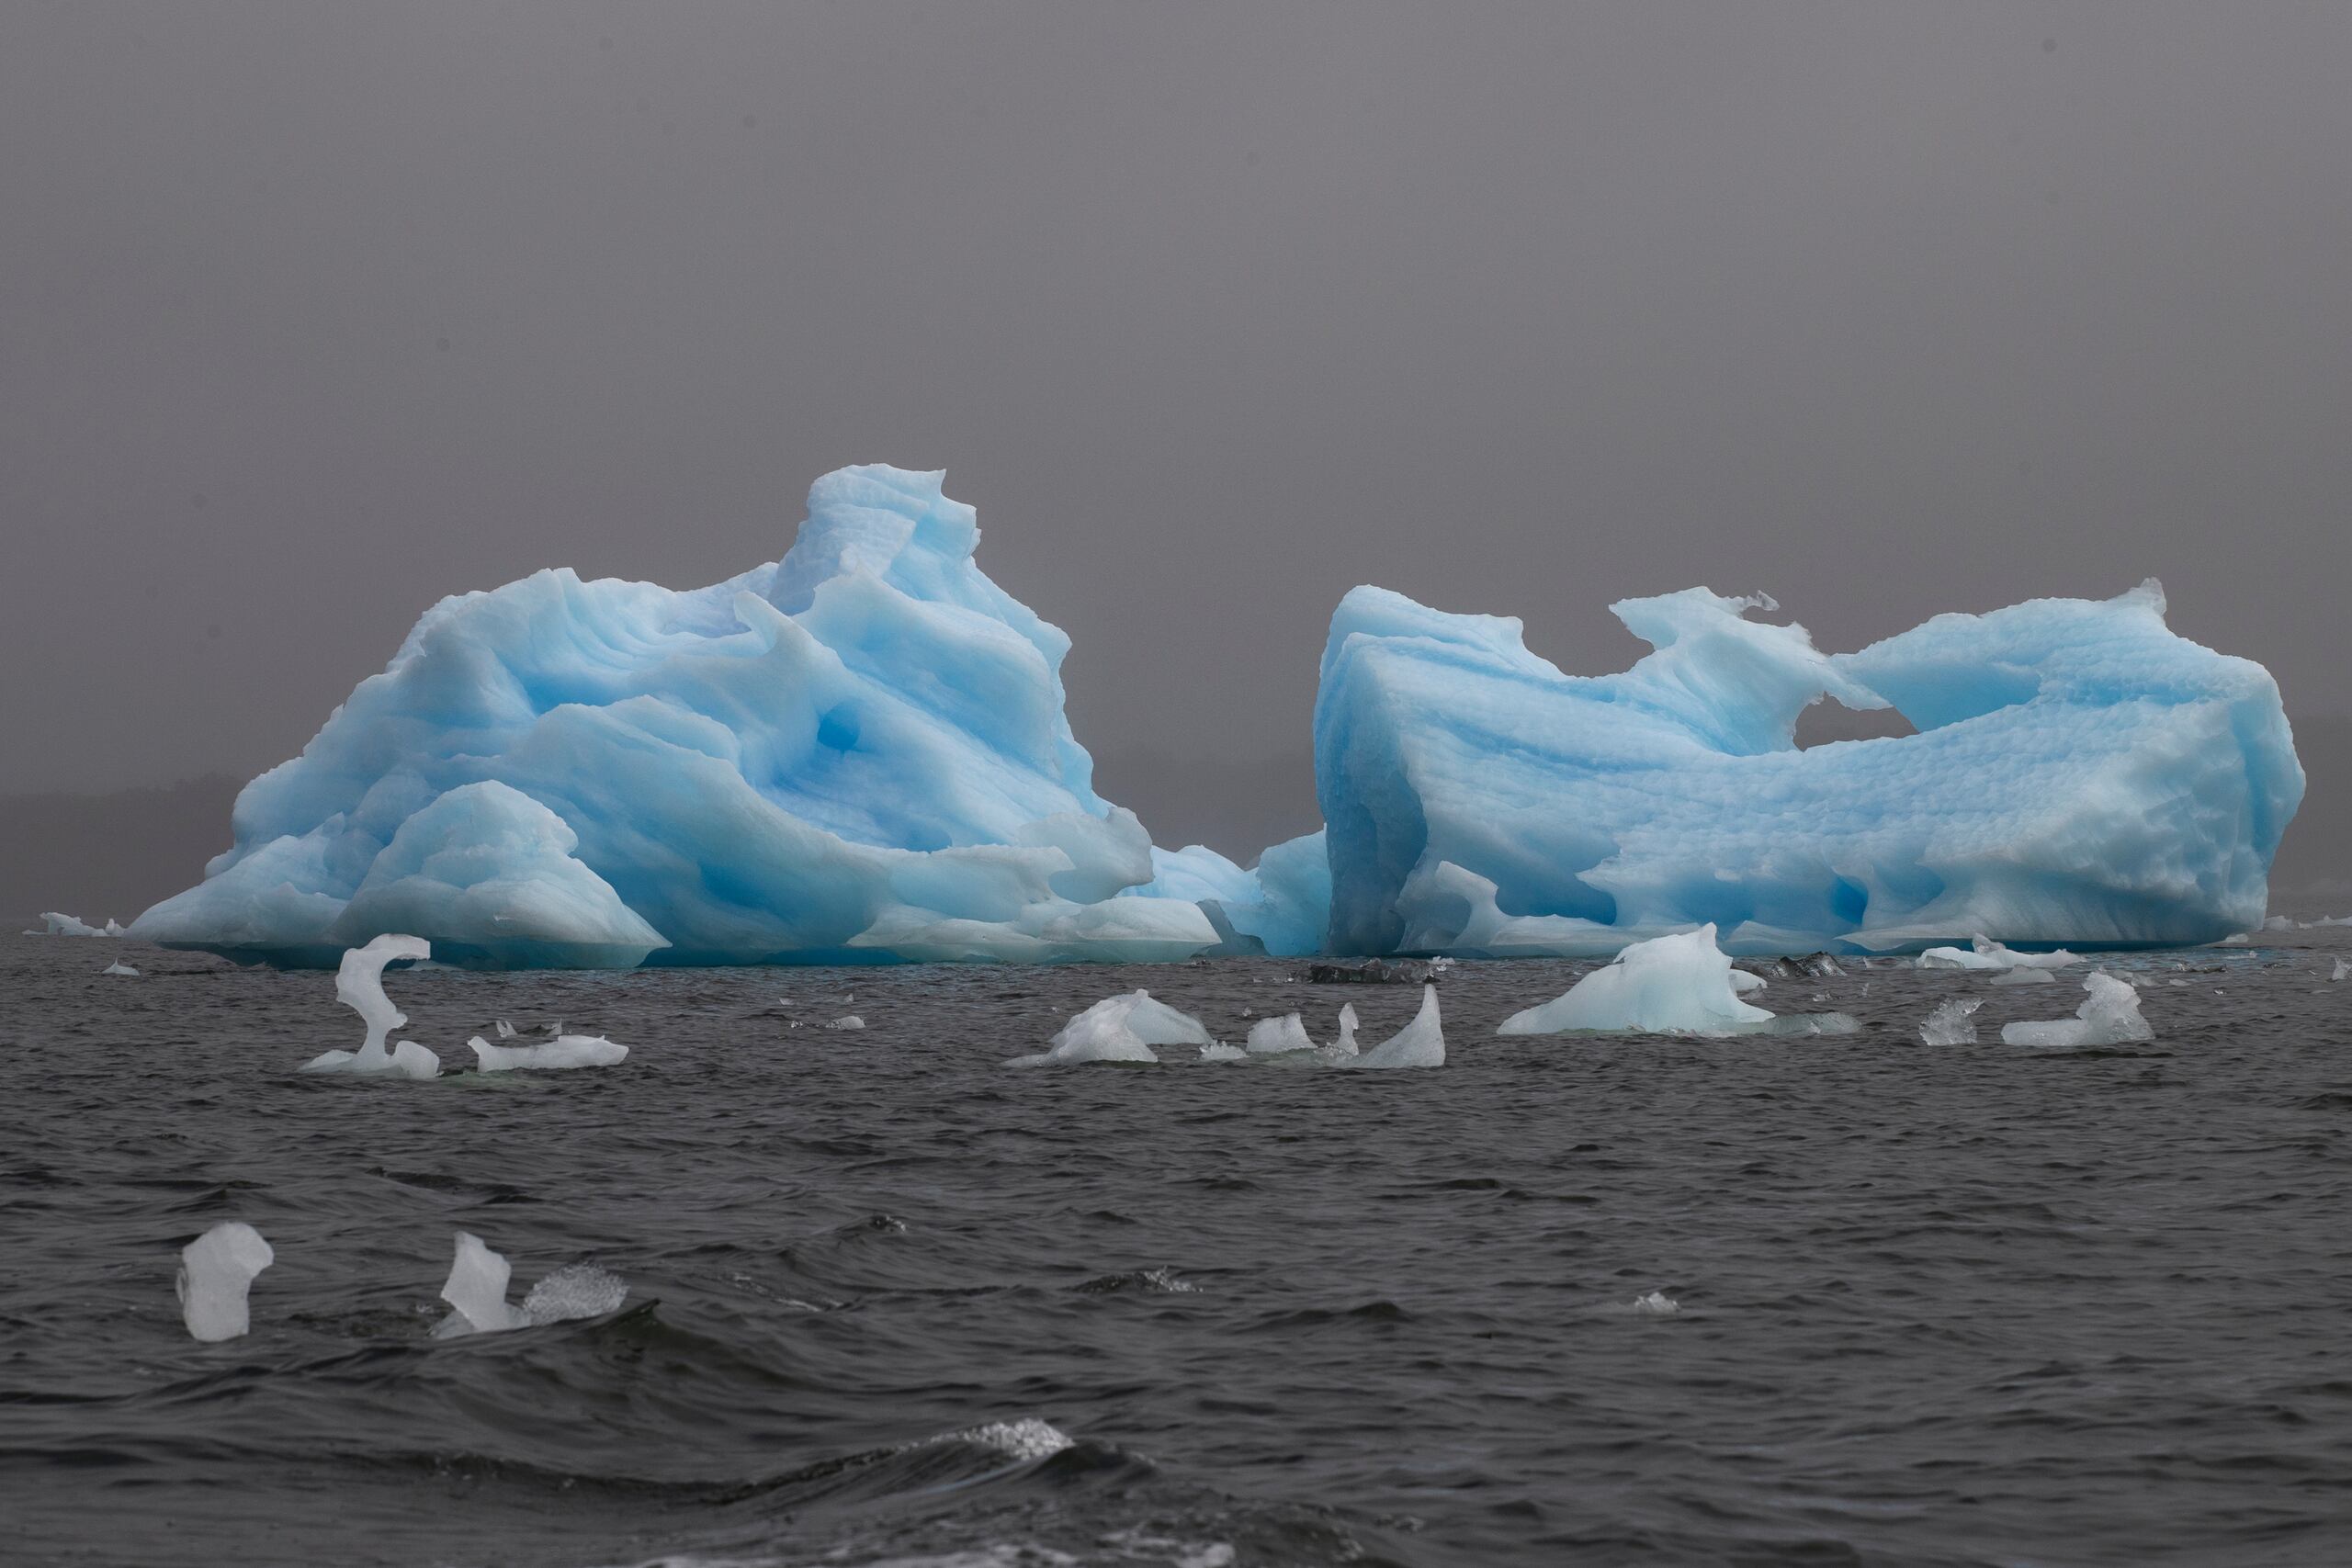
(2081,775)
(857,752)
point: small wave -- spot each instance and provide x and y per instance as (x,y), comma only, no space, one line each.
(1025,1439)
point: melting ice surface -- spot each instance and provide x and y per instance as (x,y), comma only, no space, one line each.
(2079,774)
(1682,984)
(360,985)
(215,1270)
(2111,1017)
(858,752)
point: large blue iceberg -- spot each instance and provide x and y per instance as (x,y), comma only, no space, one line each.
(2080,774)
(858,753)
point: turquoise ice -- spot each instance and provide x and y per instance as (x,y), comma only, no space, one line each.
(2080,774)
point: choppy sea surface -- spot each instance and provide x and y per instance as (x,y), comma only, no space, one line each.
(892,1302)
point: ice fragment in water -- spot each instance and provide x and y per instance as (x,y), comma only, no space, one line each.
(1950,1024)
(2050,735)
(360,985)
(1215,1053)
(2342,971)
(847,1021)
(119,967)
(2111,1017)
(2023,978)
(1270,1036)
(1680,984)
(477,1292)
(1657,1304)
(565,1051)
(1420,1043)
(56,924)
(506,1030)
(1123,1028)
(215,1270)
(1984,953)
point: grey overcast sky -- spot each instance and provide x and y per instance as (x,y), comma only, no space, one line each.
(313,313)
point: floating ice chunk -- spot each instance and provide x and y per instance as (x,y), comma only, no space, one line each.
(1271,1036)
(2237,939)
(360,985)
(477,1292)
(565,1051)
(1420,1043)
(1343,1050)
(2024,978)
(56,924)
(1679,985)
(2080,774)
(2332,920)
(2111,1017)
(1123,1028)
(847,1021)
(215,1270)
(575,1291)
(1657,1304)
(506,1030)
(1950,1024)
(2342,971)
(1983,953)
(119,967)
(2278,923)
(1215,1053)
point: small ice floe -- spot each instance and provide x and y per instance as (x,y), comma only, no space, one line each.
(215,1270)
(1212,1052)
(2024,978)
(1950,1024)
(2342,971)
(56,924)
(1669,985)
(1273,1036)
(2111,1017)
(847,1021)
(1123,1028)
(1657,1304)
(564,1051)
(2329,920)
(506,1030)
(1420,1043)
(476,1292)
(360,985)
(119,967)
(2278,923)
(2239,940)
(1983,953)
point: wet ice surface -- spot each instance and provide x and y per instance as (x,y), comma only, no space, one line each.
(1950,1304)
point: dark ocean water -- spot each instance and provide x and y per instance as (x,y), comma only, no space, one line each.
(1968,1305)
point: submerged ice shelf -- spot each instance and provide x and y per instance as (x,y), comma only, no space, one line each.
(860,753)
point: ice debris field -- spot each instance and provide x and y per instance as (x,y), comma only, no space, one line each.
(860,753)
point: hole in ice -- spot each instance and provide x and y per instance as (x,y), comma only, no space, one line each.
(1830,721)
